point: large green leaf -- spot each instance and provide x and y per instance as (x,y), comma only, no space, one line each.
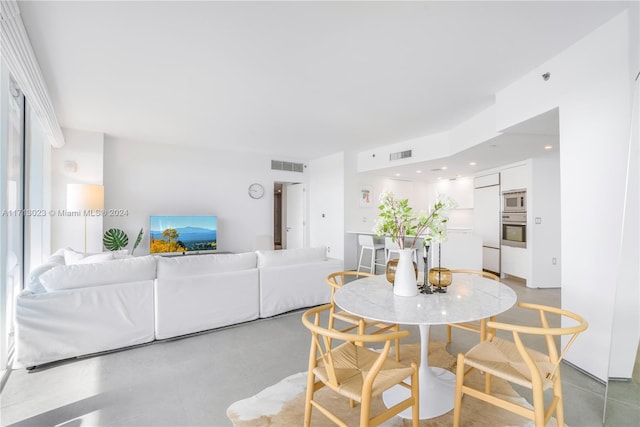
(138,240)
(115,239)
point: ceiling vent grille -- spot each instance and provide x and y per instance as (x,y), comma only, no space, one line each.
(400,155)
(280,165)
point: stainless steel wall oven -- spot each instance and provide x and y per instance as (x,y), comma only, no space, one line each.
(514,229)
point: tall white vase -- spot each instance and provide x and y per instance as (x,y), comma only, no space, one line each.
(405,281)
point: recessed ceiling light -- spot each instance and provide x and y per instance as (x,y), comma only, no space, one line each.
(472,163)
(548,147)
(444,168)
(418,171)
(397,174)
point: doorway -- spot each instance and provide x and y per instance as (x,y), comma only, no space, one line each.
(288,215)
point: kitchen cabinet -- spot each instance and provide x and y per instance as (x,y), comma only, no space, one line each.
(486,219)
(515,178)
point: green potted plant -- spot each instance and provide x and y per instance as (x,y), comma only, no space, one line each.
(399,221)
(115,239)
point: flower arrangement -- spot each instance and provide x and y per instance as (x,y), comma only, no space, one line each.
(397,220)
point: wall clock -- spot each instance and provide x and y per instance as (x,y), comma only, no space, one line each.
(256,191)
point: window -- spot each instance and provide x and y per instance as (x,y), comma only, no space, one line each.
(12,160)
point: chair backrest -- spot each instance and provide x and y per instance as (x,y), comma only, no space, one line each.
(365,240)
(338,279)
(478,273)
(390,244)
(545,330)
(324,341)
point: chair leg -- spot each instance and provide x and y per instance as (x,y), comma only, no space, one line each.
(361,331)
(415,390)
(557,390)
(309,398)
(457,399)
(365,410)
(360,260)
(538,407)
(487,383)
(396,328)
(448,334)
(373,261)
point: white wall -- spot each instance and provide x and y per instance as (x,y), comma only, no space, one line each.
(154,179)
(86,150)
(626,321)
(544,229)
(326,204)
(590,82)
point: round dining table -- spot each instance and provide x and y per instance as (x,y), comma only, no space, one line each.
(468,298)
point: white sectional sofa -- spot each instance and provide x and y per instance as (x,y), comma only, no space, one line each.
(74,310)
(86,308)
(289,279)
(200,292)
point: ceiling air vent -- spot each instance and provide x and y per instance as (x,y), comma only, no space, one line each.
(280,165)
(400,155)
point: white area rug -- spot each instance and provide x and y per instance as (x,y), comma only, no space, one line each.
(282,404)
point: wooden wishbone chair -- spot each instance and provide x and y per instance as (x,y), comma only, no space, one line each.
(355,371)
(336,281)
(477,326)
(514,362)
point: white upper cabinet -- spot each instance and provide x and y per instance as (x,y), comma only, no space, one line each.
(515,178)
(460,190)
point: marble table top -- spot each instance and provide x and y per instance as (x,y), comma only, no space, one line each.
(468,298)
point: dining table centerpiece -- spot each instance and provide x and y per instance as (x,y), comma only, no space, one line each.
(399,221)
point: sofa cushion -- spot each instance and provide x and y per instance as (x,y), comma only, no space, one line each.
(291,256)
(198,265)
(33,281)
(85,275)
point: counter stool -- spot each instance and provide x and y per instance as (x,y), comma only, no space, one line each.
(366,242)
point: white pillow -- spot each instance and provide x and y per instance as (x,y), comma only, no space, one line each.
(58,256)
(291,256)
(86,275)
(74,257)
(33,281)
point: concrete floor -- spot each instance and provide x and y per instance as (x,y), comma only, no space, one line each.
(192,381)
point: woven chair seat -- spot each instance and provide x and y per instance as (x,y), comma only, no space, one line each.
(502,358)
(352,363)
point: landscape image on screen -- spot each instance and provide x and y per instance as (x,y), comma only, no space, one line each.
(170,234)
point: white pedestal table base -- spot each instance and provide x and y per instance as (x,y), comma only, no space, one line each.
(437,386)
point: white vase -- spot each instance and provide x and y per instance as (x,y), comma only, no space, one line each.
(405,281)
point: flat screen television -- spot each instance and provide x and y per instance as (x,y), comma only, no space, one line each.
(170,234)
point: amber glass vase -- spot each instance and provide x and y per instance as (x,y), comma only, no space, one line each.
(391,269)
(440,277)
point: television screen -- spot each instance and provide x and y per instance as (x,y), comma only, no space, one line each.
(178,234)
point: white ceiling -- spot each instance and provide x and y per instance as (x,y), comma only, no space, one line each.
(298,80)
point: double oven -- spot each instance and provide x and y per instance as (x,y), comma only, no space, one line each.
(514,218)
